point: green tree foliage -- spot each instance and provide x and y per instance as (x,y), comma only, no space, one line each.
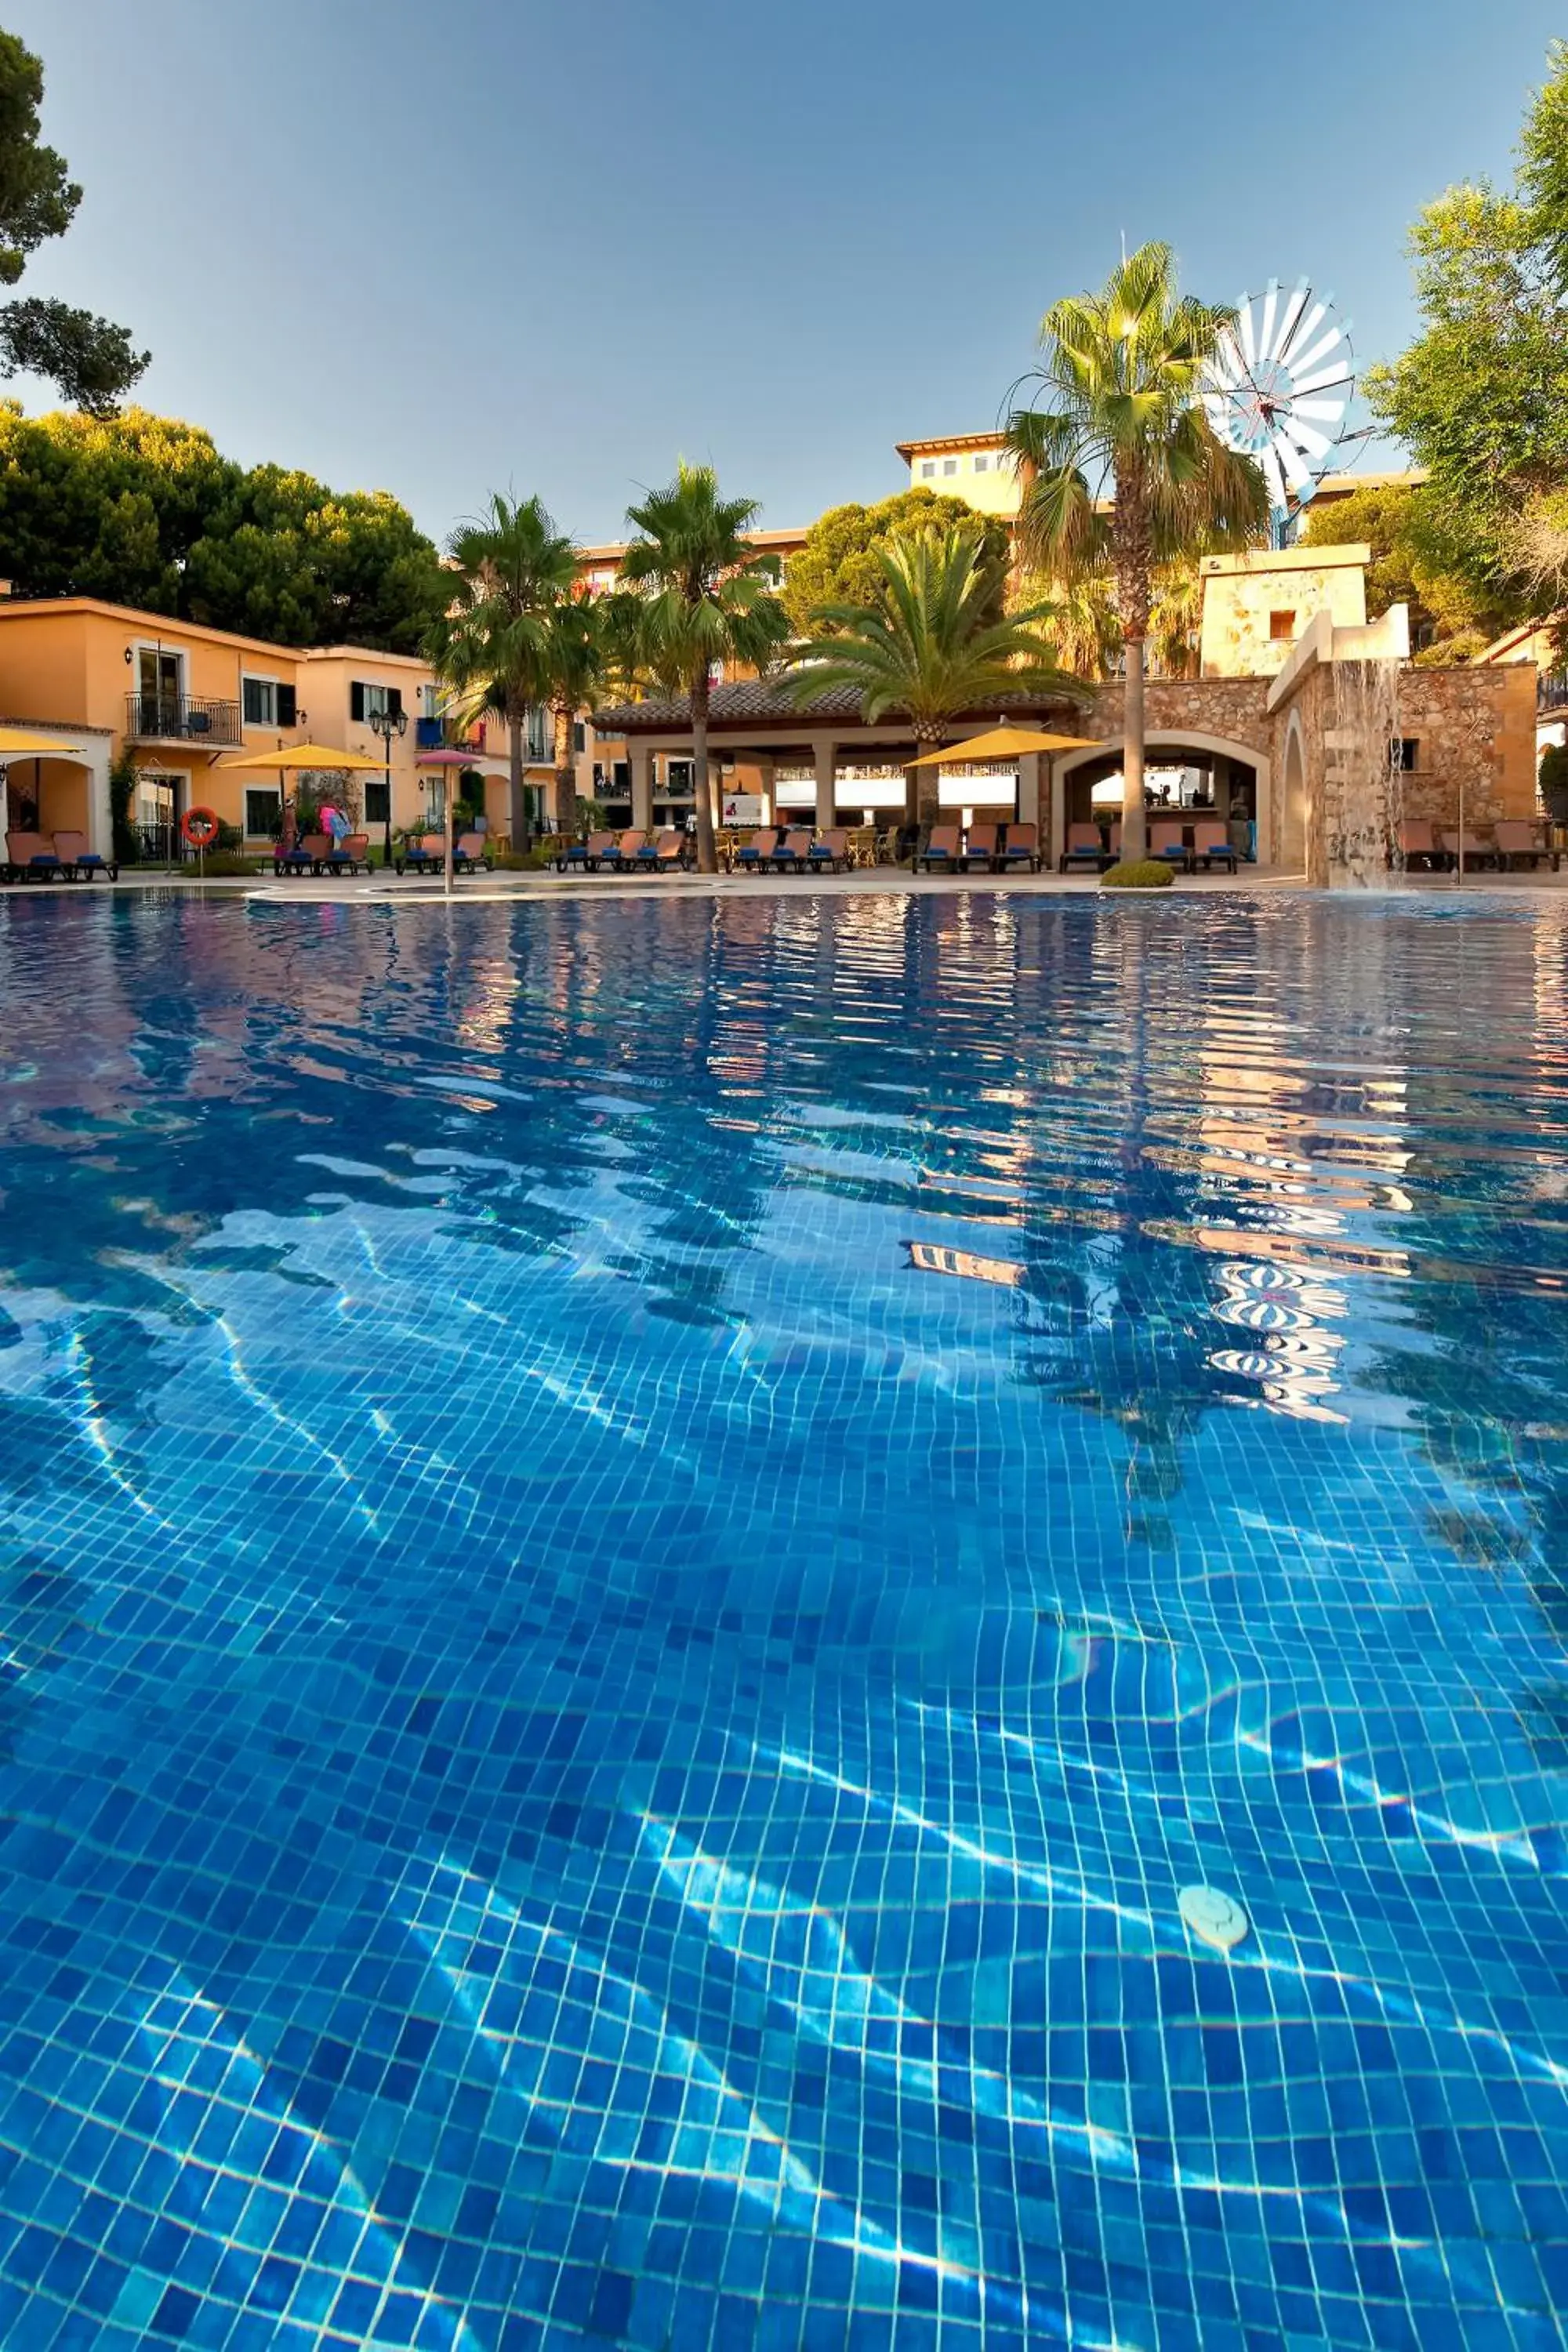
(1481,397)
(927,646)
(1413,562)
(708,597)
(1123,466)
(91,361)
(143,511)
(840,561)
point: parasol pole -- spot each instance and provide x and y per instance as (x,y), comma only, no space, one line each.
(447,820)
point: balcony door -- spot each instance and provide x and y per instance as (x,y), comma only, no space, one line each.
(161,678)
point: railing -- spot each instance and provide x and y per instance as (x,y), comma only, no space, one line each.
(1551,690)
(182,718)
(441,735)
(160,843)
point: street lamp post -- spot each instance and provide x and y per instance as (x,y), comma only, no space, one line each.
(386,724)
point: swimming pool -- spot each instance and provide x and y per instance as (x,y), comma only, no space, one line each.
(647,1542)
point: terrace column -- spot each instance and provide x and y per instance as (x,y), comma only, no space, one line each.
(765,788)
(642,786)
(1054,835)
(1029,811)
(825,754)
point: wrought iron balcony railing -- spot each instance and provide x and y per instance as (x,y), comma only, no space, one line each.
(447,735)
(183,719)
(1551,690)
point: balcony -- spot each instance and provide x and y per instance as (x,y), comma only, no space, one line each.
(182,718)
(1551,690)
(445,735)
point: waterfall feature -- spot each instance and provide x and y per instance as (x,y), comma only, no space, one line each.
(1363,788)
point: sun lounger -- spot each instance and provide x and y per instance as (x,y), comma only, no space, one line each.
(1419,845)
(621,855)
(1020,846)
(1476,850)
(791,854)
(297,859)
(942,850)
(662,853)
(1212,845)
(1166,841)
(82,863)
(1516,838)
(585,857)
(755,849)
(830,851)
(32,857)
(1084,846)
(347,855)
(425,854)
(471,850)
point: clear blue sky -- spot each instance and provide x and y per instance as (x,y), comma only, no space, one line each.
(447,246)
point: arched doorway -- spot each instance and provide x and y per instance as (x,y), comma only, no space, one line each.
(1185,771)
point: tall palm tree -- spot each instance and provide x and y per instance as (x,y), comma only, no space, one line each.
(1124,462)
(513,567)
(708,597)
(932,647)
(571,663)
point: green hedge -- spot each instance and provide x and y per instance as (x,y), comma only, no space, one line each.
(1144,874)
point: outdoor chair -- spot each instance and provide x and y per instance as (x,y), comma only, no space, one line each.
(863,845)
(942,849)
(1020,846)
(748,855)
(792,851)
(830,850)
(621,855)
(85,863)
(983,845)
(471,850)
(318,847)
(1212,845)
(295,859)
(1084,846)
(1516,838)
(1419,845)
(664,853)
(31,857)
(1166,841)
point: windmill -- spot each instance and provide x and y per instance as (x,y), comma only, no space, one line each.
(1279,388)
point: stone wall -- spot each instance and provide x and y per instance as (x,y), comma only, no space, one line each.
(1242,595)
(1475,725)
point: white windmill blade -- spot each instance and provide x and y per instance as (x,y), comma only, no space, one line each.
(1229,367)
(1305,437)
(1296,468)
(1303,362)
(1248,340)
(1305,331)
(1293,309)
(1331,411)
(1270,310)
(1325,381)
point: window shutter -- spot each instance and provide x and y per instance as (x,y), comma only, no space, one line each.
(395,699)
(287,707)
(356,700)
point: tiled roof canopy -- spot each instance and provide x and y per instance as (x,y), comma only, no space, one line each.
(755,701)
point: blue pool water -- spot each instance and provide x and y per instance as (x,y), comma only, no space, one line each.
(646,1542)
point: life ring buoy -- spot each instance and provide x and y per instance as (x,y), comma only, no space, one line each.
(199,826)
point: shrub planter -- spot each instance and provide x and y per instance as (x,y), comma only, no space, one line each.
(1144,874)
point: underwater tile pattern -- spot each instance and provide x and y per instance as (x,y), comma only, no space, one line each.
(643,1545)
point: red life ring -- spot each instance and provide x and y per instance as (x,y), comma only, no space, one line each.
(199,826)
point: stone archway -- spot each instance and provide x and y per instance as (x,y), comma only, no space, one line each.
(1168,740)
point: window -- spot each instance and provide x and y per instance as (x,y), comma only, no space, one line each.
(950,465)
(265,702)
(375,799)
(928,467)
(428,705)
(579,736)
(263,809)
(1281,627)
(983,465)
(367,700)
(1403,751)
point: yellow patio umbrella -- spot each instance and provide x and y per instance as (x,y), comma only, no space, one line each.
(302,755)
(1003,743)
(17,743)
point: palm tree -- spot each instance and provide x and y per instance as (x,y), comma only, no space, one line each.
(932,647)
(1125,367)
(513,567)
(708,597)
(571,663)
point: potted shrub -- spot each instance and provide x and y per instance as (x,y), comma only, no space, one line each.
(1141,874)
(1554,783)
